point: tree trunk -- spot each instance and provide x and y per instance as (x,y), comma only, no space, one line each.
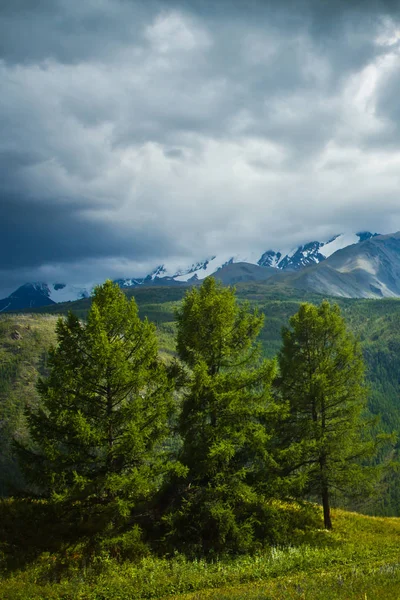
(110,440)
(325,491)
(326,507)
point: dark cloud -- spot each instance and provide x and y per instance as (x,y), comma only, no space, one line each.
(67,31)
(139,132)
(34,234)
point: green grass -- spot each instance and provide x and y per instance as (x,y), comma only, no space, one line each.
(355,583)
(359,559)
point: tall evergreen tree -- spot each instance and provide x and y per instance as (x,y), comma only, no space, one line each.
(322,379)
(222,424)
(104,410)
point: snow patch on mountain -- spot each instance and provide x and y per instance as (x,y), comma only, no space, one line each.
(269,259)
(158,272)
(198,270)
(61,292)
(204,265)
(129,282)
(338,243)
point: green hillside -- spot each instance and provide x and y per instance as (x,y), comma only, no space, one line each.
(375,323)
(24,344)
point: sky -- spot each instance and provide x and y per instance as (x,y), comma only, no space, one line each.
(135,133)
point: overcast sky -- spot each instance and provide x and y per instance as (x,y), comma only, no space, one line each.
(134,133)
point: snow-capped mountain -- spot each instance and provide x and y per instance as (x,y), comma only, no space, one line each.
(29,295)
(42,294)
(208,266)
(188,274)
(370,269)
(312,252)
(293,260)
(32,295)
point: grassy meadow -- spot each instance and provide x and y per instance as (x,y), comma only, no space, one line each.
(359,559)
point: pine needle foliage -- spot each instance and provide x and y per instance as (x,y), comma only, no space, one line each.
(322,379)
(96,438)
(222,424)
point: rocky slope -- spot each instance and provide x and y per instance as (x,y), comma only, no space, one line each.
(370,269)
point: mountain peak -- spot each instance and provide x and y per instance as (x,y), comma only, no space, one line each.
(366,235)
(310,253)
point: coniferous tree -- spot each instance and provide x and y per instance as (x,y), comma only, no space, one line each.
(222,424)
(322,379)
(104,411)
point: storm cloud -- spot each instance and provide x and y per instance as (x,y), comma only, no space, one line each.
(134,133)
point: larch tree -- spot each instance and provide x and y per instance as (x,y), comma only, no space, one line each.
(103,413)
(322,380)
(225,405)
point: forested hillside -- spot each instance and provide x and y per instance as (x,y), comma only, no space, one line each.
(24,341)
(24,345)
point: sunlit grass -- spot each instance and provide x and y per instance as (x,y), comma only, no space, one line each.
(359,559)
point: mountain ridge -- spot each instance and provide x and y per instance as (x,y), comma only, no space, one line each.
(370,269)
(291,262)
